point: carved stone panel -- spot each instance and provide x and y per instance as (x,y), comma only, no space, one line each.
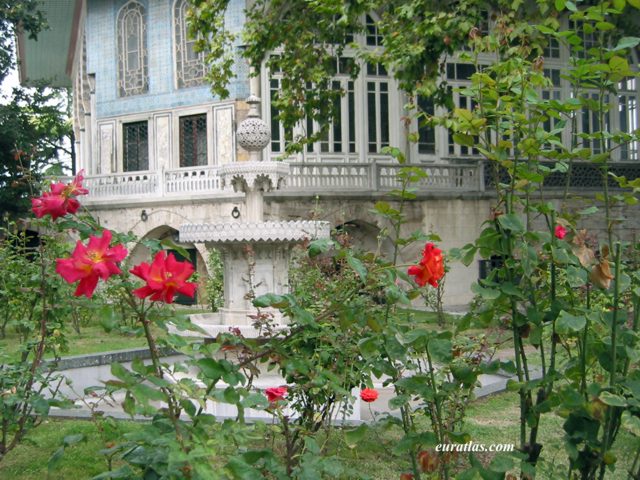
(223,122)
(107,160)
(163,141)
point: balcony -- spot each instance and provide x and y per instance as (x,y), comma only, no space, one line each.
(328,178)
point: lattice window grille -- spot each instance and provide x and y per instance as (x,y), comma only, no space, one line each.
(193,141)
(135,137)
(190,66)
(132,50)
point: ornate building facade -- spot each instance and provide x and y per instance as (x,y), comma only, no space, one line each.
(152,138)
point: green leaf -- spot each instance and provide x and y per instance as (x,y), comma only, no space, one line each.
(605,26)
(353,437)
(211,368)
(570,323)
(462,139)
(440,349)
(144,393)
(631,423)
(169,244)
(357,266)
(511,222)
(626,42)
(317,247)
(485,293)
(588,211)
(612,400)
(55,458)
(271,300)
(73,439)
(118,371)
(619,4)
(368,347)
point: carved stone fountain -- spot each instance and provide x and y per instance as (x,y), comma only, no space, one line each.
(269,243)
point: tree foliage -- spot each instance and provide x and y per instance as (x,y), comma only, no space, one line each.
(33,128)
(30,20)
(34,123)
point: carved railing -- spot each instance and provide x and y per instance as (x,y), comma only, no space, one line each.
(355,177)
(132,184)
(304,178)
(449,178)
(192,180)
(329,176)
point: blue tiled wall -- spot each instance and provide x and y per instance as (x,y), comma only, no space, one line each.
(102,60)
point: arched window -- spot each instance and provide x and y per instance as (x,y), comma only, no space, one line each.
(190,69)
(132,50)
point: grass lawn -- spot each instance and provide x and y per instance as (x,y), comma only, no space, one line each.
(91,339)
(490,420)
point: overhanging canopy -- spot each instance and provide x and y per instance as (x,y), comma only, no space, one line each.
(48,59)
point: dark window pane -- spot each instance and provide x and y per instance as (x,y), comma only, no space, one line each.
(384,116)
(451,71)
(371,116)
(136,146)
(426,134)
(275,121)
(465,71)
(352,118)
(193,140)
(337,119)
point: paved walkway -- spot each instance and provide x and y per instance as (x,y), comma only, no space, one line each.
(367,412)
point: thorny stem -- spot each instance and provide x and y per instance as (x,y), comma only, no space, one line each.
(613,413)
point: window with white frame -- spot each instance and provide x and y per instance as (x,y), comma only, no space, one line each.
(628,116)
(593,120)
(426,133)
(369,95)
(340,135)
(552,92)
(377,108)
(458,77)
(132,50)
(280,135)
(190,66)
(373,37)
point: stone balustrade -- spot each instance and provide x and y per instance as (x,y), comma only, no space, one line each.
(304,178)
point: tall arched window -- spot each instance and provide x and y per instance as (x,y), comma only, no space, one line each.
(132,50)
(190,69)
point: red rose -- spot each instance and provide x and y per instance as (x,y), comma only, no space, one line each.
(431,266)
(560,232)
(275,394)
(165,278)
(406,476)
(368,395)
(87,264)
(60,200)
